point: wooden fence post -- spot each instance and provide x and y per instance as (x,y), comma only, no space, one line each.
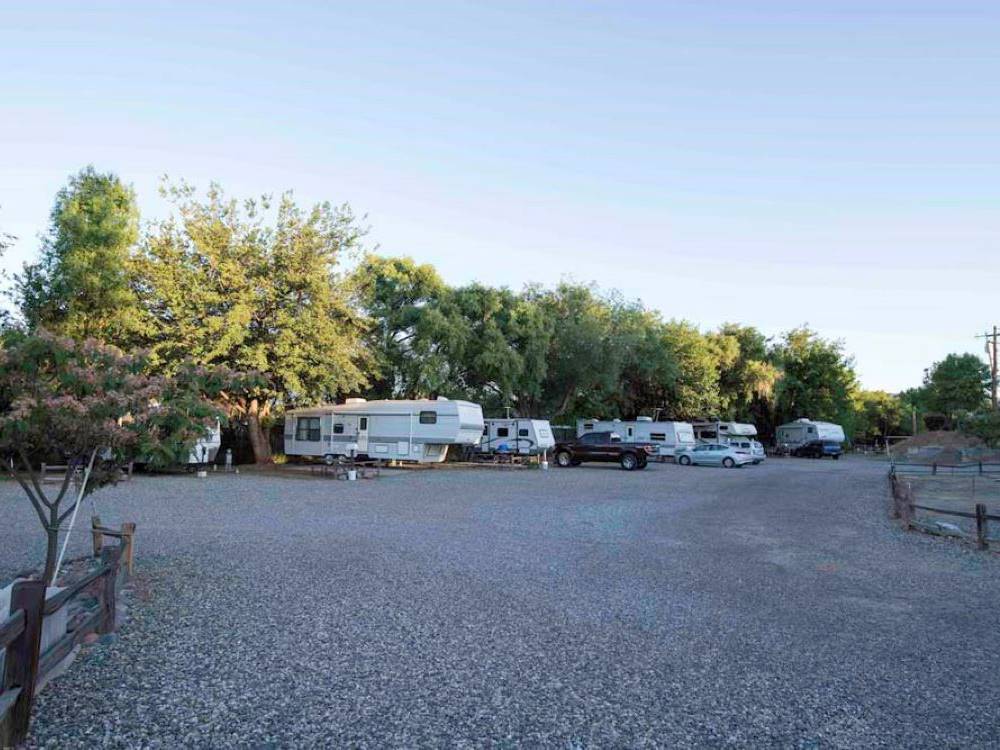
(907,501)
(95,524)
(110,556)
(21,669)
(895,490)
(981,522)
(128,546)
(934,468)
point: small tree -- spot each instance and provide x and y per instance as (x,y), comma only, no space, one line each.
(87,404)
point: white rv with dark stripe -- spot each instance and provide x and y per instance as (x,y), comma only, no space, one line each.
(419,430)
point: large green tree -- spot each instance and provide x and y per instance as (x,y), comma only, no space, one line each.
(255,288)
(80,285)
(413,332)
(747,375)
(817,379)
(502,358)
(585,358)
(880,414)
(958,383)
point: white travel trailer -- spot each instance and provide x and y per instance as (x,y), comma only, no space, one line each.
(418,430)
(207,448)
(798,435)
(671,437)
(525,437)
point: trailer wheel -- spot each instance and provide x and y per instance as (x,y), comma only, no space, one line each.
(564,459)
(684,460)
(728,462)
(628,461)
(329,459)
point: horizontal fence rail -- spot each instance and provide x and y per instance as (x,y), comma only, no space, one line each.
(904,507)
(981,467)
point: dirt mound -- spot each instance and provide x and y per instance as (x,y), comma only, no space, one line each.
(943,447)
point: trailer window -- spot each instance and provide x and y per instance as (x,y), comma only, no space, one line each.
(428,417)
(661,436)
(338,428)
(502,432)
(523,432)
(307,428)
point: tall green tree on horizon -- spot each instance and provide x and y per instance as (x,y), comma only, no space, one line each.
(817,379)
(257,290)
(958,383)
(80,287)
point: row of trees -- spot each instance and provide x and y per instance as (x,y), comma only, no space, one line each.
(261,286)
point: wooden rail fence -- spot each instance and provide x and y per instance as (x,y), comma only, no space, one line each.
(904,507)
(25,666)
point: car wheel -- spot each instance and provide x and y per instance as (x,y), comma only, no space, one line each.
(684,460)
(564,459)
(329,459)
(728,462)
(628,461)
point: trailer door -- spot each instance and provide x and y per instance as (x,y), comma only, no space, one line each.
(363,435)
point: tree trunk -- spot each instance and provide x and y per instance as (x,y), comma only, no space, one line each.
(51,553)
(258,438)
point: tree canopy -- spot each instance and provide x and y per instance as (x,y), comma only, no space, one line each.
(80,285)
(226,283)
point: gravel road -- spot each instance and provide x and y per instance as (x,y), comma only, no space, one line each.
(687,607)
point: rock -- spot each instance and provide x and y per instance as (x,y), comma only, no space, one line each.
(90,638)
(948,528)
(108,639)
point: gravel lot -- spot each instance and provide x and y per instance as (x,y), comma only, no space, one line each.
(774,605)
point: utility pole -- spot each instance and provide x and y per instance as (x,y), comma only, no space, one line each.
(991,352)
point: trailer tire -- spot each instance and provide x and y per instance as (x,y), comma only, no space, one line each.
(564,459)
(684,460)
(728,462)
(629,461)
(329,459)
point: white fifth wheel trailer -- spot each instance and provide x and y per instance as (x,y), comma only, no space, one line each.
(525,437)
(805,437)
(671,437)
(418,430)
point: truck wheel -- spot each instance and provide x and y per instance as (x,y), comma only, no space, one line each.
(564,459)
(728,463)
(628,461)
(836,456)
(329,459)
(684,460)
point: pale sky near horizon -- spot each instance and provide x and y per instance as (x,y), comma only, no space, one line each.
(769,163)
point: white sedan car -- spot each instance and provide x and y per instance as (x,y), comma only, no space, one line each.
(714,454)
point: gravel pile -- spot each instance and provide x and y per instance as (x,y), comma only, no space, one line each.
(773,605)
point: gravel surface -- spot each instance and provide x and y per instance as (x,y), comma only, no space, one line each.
(689,607)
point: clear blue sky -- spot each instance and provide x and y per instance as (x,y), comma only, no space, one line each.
(773,163)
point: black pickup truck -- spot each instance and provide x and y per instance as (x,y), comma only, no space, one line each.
(604,446)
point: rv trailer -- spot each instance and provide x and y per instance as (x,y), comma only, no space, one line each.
(804,437)
(419,430)
(524,437)
(206,448)
(669,437)
(740,436)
